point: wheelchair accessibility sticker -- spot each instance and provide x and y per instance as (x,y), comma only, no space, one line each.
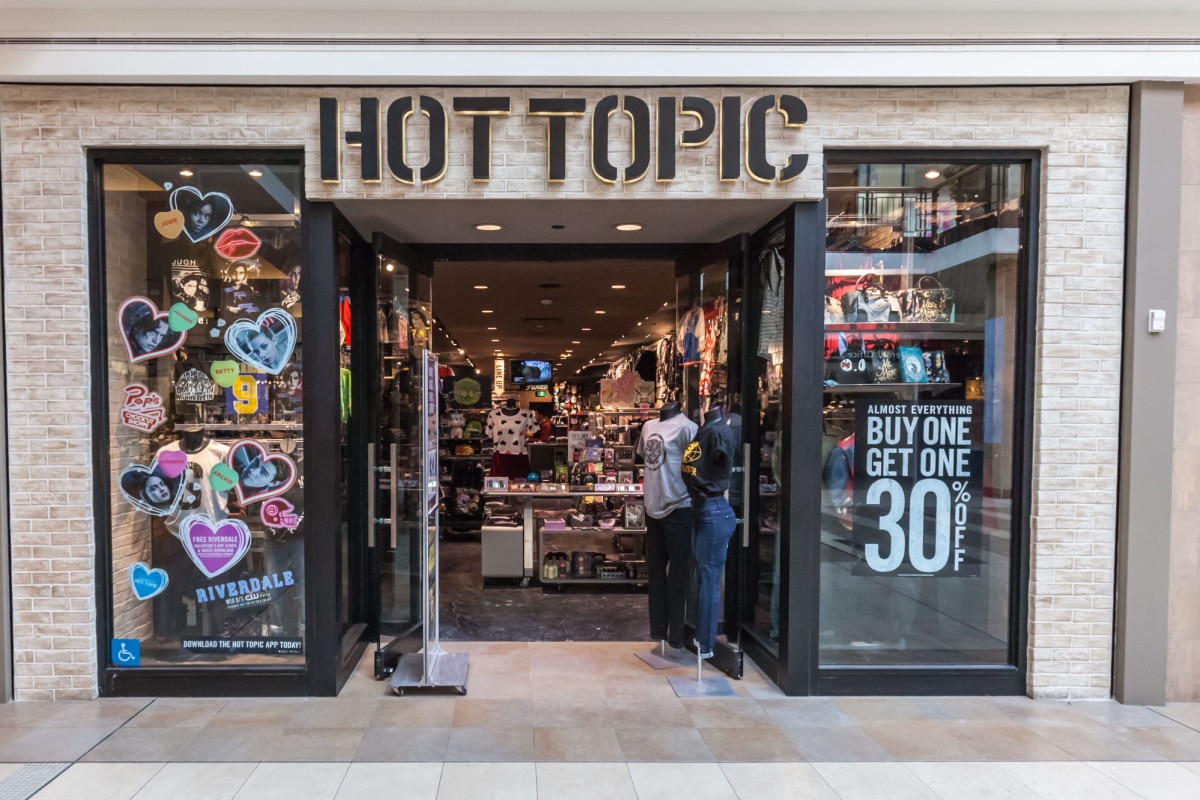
(126,653)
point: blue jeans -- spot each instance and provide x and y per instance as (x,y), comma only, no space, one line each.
(715,523)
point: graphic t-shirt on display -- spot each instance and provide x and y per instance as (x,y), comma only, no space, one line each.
(661,446)
(199,497)
(508,432)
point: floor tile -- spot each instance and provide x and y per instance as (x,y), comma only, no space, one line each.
(490,744)
(256,712)
(1152,780)
(726,712)
(334,712)
(1193,766)
(564,711)
(659,713)
(922,740)
(8,769)
(1176,743)
(873,710)
(1066,781)
(1114,714)
(673,781)
(750,744)
(317,781)
(314,744)
(777,782)
(663,744)
(1183,713)
(806,712)
(141,744)
(488,782)
(228,744)
(376,781)
(415,712)
(500,687)
(99,782)
(1004,742)
(470,713)
(836,744)
(108,713)
(1094,742)
(177,712)
(403,744)
(874,781)
(978,781)
(576,744)
(196,782)
(50,744)
(591,781)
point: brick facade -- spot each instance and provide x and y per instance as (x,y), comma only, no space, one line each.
(1082,132)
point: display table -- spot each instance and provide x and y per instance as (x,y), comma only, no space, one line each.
(506,547)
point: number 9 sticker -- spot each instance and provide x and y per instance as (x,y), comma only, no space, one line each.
(245,394)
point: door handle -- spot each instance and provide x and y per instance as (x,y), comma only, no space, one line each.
(372,484)
(392,478)
(745,494)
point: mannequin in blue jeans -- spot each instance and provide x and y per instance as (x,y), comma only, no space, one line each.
(707,464)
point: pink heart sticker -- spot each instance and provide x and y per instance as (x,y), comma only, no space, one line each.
(214,547)
(172,463)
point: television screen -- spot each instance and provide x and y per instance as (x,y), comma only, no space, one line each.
(526,371)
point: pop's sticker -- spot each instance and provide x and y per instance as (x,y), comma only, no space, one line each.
(214,547)
(265,343)
(261,475)
(146,582)
(169,223)
(236,244)
(222,477)
(146,330)
(225,372)
(143,409)
(279,513)
(203,214)
(181,318)
(150,489)
(194,386)
(245,394)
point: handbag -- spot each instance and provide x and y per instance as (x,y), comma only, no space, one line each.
(869,301)
(912,365)
(885,362)
(850,363)
(833,310)
(928,301)
(935,366)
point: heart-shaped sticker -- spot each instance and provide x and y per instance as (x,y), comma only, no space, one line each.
(214,547)
(265,343)
(203,214)
(222,477)
(260,474)
(173,463)
(146,582)
(181,318)
(146,331)
(150,489)
(169,223)
(224,373)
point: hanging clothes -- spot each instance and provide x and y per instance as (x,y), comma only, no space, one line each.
(690,336)
(770,326)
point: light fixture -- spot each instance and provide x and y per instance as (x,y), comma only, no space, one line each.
(933,173)
(389,266)
(479,286)
(186,173)
(461,352)
(600,311)
(486,311)
(487,226)
(495,340)
(664,305)
(255,173)
(574,341)
(617,286)
(547,301)
(628,227)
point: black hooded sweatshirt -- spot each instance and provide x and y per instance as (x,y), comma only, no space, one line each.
(708,460)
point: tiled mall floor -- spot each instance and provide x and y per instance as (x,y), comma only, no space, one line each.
(573,720)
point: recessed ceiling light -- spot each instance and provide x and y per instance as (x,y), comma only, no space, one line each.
(617,286)
(628,226)
(492,328)
(486,311)
(479,286)
(187,173)
(573,341)
(585,329)
(255,173)
(389,266)
(664,305)
(547,301)
(495,340)
(600,311)
(487,226)
(933,173)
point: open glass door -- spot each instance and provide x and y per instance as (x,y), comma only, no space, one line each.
(709,302)
(401,308)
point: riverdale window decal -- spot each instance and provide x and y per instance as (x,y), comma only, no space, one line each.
(674,122)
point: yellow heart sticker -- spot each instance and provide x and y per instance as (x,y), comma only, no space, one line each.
(169,223)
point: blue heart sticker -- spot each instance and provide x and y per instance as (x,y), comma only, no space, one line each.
(146,582)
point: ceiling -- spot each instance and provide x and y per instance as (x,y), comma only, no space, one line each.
(540,309)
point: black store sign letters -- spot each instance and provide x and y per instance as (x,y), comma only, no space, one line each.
(737,137)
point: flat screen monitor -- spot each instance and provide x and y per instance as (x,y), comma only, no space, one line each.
(528,371)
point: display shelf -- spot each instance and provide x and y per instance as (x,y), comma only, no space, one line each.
(592,529)
(572,493)
(566,581)
(953,328)
(890,388)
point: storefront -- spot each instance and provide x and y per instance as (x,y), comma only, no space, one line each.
(902,345)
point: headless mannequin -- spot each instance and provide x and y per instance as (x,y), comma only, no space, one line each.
(668,410)
(714,414)
(193,441)
(510,407)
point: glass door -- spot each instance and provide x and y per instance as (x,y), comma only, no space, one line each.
(400,318)
(709,294)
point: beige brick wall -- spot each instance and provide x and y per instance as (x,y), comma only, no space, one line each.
(1183,655)
(1082,132)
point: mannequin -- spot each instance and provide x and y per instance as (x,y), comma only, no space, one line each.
(508,427)
(706,470)
(193,441)
(669,520)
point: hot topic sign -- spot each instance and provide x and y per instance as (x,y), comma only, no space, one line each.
(918,488)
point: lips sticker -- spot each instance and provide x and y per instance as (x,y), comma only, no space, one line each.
(265,343)
(146,331)
(214,547)
(236,244)
(261,475)
(203,214)
(146,582)
(151,489)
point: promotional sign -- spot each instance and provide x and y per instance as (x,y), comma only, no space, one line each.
(244,644)
(918,488)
